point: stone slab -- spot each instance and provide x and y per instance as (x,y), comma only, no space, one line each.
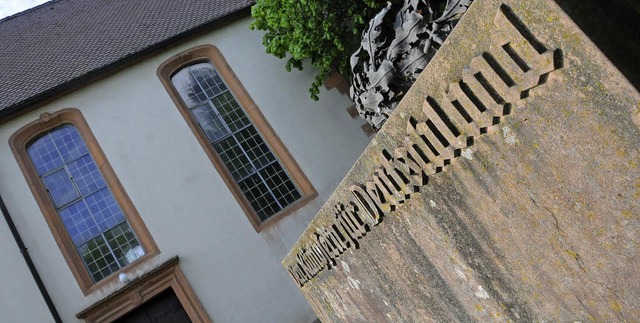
(505,187)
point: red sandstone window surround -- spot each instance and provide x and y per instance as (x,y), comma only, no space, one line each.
(258,169)
(92,219)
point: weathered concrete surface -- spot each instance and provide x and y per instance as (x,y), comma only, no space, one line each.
(538,219)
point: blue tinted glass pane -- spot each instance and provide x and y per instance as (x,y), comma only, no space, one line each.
(104,209)
(69,143)
(79,223)
(60,187)
(85,204)
(86,175)
(44,155)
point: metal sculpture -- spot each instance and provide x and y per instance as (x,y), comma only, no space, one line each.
(384,68)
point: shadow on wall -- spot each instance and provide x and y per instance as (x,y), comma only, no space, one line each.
(614,26)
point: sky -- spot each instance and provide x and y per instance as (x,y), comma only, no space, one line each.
(10,7)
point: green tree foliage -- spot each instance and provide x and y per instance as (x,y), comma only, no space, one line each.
(325,32)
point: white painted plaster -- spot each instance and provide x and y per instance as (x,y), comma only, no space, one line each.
(190,212)
(20,300)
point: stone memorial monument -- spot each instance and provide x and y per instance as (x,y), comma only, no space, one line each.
(504,187)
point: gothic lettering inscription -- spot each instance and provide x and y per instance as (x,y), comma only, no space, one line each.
(515,63)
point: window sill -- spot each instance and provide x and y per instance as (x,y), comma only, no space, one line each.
(114,276)
(284,212)
(144,288)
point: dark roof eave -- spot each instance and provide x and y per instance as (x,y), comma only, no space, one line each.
(56,92)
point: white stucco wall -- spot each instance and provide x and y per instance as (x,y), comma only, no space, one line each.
(189,211)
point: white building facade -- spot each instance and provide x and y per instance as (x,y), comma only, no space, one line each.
(199,233)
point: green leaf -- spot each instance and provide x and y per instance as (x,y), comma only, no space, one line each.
(316,31)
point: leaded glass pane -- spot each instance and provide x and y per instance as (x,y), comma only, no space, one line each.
(234,158)
(208,79)
(79,223)
(69,143)
(60,187)
(186,86)
(44,155)
(86,175)
(259,196)
(230,111)
(282,187)
(98,258)
(254,147)
(124,243)
(104,209)
(210,123)
(249,159)
(84,203)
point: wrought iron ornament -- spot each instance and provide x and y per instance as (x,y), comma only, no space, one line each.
(391,57)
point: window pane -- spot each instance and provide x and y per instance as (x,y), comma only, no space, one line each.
(255,147)
(282,187)
(86,175)
(188,88)
(124,243)
(210,123)
(259,196)
(104,209)
(44,155)
(69,143)
(60,187)
(230,111)
(98,258)
(80,225)
(208,79)
(234,158)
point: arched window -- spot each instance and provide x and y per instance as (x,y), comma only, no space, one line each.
(90,214)
(82,199)
(262,174)
(249,159)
